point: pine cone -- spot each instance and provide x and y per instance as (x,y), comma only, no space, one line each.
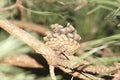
(63,40)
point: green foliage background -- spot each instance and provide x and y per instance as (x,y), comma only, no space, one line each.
(94,22)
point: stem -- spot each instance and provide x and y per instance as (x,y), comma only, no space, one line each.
(8,8)
(102,41)
(52,73)
(92,51)
(37,45)
(26,38)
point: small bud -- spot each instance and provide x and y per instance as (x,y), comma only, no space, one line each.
(76,36)
(48,33)
(55,34)
(70,27)
(60,27)
(70,35)
(64,37)
(46,39)
(53,26)
(63,31)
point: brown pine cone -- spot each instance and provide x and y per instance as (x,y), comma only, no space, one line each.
(63,40)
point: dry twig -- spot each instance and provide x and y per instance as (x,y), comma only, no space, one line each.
(18,5)
(21,60)
(52,73)
(38,46)
(27,25)
(8,8)
(81,3)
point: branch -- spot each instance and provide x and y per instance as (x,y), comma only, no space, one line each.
(16,5)
(8,8)
(52,73)
(21,60)
(38,46)
(27,25)
(81,3)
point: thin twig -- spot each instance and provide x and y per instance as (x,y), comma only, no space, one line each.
(8,8)
(92,51)
(52,73)
(18,3)
(21,60)
(81,3)
(27,25)
(79,75)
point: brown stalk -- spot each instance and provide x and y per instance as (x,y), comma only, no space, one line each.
(25,37)
(37,28)
(16,5)
(81,3)
(8,8)
(27,25)
(37,45)
(21,60)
